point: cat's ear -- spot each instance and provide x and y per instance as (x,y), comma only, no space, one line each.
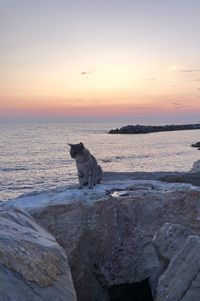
(70,144)
(81,144)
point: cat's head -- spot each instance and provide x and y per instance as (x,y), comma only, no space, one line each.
(76,150)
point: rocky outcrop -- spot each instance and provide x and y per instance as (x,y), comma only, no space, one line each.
(174,244)
(109,242)
(197,145)
(170,239)
(145,129)
(32,265)
(196,167)
(121,235)
(181,280)
(192,177)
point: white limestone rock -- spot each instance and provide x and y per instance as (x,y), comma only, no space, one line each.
(170,239)
(180,282)
(32,264)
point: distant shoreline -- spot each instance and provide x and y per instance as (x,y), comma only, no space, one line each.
(146,129)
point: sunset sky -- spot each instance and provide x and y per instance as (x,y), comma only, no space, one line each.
(100,60)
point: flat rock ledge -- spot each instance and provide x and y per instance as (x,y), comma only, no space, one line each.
(145,129)
(131,230)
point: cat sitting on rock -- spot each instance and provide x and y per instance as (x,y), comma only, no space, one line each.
(89,172)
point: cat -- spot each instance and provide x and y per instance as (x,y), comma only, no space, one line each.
(89,172)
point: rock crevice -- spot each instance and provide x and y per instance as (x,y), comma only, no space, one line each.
(118,235)
(113,242)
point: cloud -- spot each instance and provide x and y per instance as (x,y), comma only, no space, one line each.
(191,70)
(148,79)
(88,72)
(77,100)
(80,109)
(174,68)
(178,106)
(180,97)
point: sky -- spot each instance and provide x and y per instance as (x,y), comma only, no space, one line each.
(90,60)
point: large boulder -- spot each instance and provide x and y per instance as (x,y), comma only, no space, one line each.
(197,145)
(170,239)
(109,241)
(33,267)
(181,280)
(196,166)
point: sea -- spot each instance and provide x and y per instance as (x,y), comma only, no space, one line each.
(35,157)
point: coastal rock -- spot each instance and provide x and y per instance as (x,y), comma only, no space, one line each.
(32,265)
(181,280)
(109,241)
(170,239)
(196,166)
(192,177)
(145,129)
(197,145)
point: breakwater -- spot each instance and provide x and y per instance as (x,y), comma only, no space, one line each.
(146,129)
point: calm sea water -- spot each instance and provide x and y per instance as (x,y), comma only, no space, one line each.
(35,157)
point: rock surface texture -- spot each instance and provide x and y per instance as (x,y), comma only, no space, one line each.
(181,280)
(170,239)
(120,234)
(33,267)
(109,242)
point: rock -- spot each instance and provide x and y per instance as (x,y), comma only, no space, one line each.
(196,145)
(32,264)
(145,129)
(192,177)
(141,186)
(181,280)
(170,239)
(196,166)
(109,241)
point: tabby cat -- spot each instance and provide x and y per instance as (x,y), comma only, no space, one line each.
(89,172)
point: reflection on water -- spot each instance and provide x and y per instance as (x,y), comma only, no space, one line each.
(36,157)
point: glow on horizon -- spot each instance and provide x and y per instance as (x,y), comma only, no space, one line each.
(99,59)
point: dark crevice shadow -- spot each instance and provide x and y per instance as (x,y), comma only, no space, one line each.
(139,291)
